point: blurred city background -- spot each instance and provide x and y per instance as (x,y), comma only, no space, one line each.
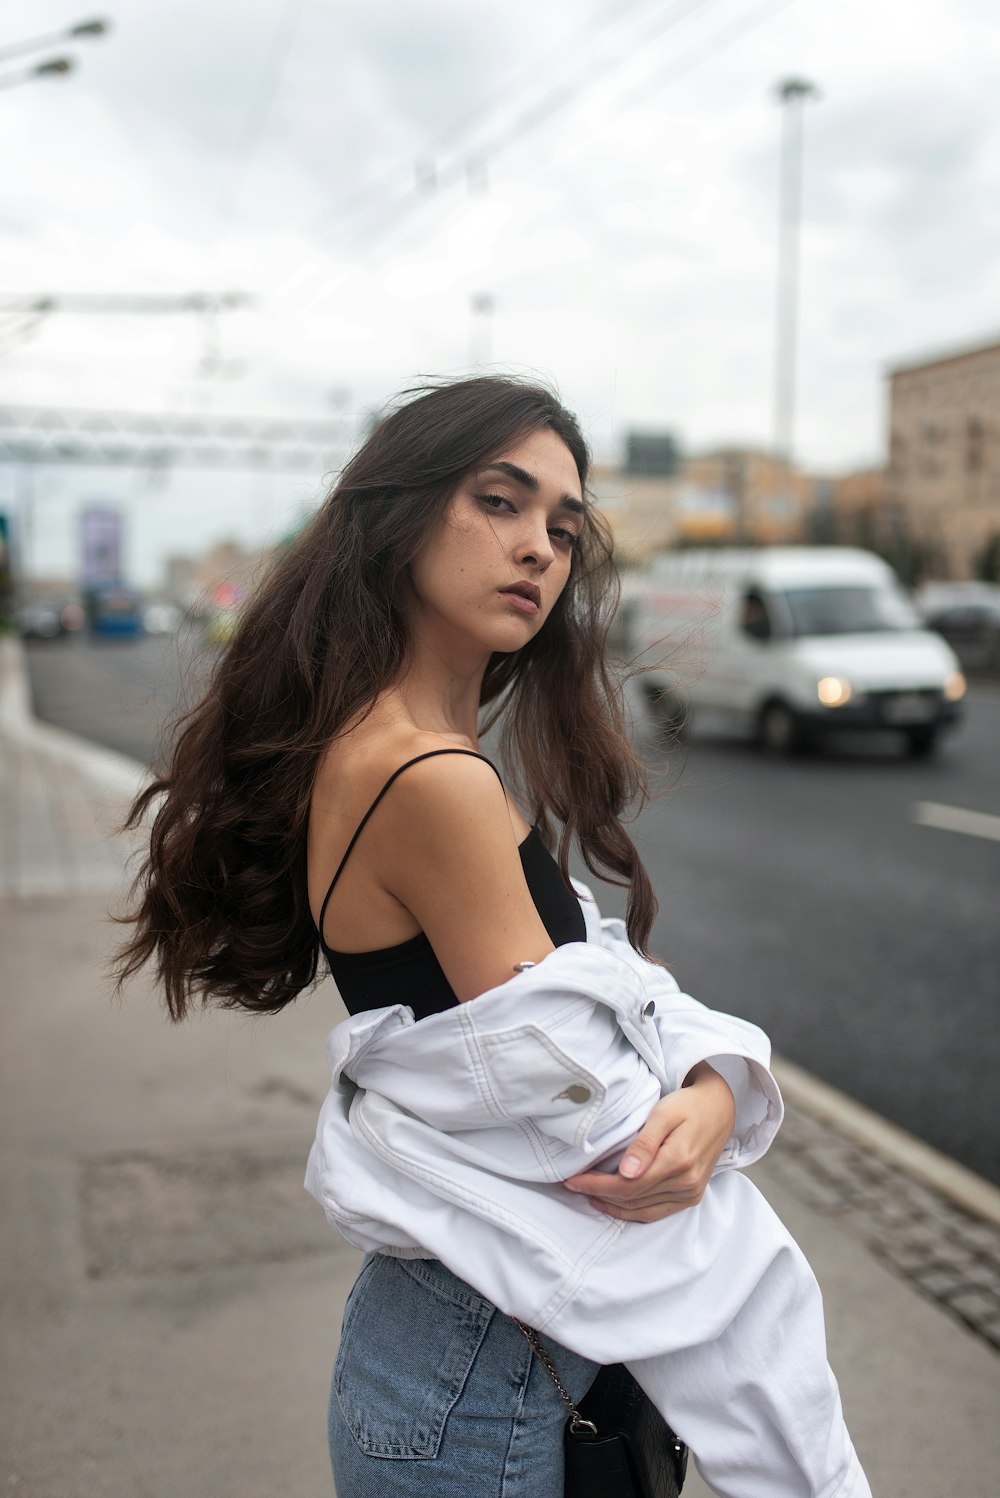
(756,246)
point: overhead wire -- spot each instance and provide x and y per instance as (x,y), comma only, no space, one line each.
(259,112)
(531,115)
(255,122)
(396,216)
(678,67)
(529,120)
(482,112)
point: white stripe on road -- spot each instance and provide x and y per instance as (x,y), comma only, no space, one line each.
(957,819)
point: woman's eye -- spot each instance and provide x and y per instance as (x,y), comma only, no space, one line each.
(495,501)
(569,538)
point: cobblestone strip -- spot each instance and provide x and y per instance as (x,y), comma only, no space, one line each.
(949,1255)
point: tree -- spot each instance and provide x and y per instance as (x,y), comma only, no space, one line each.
(987,562)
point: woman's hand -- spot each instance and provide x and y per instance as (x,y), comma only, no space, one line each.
(675,1153)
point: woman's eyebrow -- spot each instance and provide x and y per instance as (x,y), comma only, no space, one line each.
(529,481)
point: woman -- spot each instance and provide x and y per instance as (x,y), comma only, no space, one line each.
(329,794)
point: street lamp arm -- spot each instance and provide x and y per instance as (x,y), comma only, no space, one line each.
(795,88)
(37,43)
(53,65)
(52,68)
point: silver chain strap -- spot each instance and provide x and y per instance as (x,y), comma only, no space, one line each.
(577,1424)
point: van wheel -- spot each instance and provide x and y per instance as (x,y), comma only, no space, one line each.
(921,742)
(668,712)
(777,730)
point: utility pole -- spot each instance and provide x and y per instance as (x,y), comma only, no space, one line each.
(792,94)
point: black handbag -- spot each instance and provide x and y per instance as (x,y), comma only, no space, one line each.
(616,1442)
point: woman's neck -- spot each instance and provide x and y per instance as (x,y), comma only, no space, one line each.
(436,698)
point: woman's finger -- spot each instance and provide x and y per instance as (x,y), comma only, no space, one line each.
(649,1213)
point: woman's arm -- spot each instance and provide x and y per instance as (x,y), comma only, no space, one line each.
(675,1152)
(455,866)
(448,854)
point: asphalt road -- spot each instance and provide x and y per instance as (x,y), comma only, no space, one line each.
(801,894)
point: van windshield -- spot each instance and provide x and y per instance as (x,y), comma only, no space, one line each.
(847,610)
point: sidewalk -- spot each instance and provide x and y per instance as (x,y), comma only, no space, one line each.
(171,1297)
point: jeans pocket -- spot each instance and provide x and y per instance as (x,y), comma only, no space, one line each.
(411,1335)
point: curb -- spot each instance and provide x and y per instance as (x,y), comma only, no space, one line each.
(972,1192)
(123,776)
(107,771)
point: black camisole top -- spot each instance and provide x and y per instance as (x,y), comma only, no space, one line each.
(409,973)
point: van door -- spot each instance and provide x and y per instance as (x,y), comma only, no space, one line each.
(737,681)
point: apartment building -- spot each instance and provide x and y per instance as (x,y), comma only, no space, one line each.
(943,483)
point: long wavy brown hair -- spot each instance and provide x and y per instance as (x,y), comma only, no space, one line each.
(220,902)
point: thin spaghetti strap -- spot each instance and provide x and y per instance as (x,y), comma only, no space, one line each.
(430,754)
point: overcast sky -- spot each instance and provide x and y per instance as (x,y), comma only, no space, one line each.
(625,220)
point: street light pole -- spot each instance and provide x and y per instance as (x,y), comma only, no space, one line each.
(792,94)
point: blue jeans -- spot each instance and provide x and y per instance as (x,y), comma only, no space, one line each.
(436,1394)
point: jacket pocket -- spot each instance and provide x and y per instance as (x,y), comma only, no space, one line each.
(411,1335)
(533,1080)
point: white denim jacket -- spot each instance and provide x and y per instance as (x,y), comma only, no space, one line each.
(450,1138)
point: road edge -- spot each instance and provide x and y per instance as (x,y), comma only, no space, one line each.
(106,769)
(116,772)
(972,1192)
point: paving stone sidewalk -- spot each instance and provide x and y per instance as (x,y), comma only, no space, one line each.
(949,1255)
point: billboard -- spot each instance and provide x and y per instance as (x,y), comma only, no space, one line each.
(6,572)
(100,547)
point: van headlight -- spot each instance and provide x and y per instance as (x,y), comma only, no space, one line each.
(955,686)
(833,691)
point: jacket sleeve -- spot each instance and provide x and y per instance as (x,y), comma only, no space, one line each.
(690,1032)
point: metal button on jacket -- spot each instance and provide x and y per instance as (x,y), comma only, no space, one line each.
(649,1009)
(575,1093)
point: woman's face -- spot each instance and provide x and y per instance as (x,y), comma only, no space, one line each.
(490,574)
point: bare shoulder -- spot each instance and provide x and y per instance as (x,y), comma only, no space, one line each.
(444,780)
(446,807)
(439,854)
(455,866)
(354,772)
(357,765)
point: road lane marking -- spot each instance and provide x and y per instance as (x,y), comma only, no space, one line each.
(957,819)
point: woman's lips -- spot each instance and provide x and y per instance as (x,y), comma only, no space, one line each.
(526,605)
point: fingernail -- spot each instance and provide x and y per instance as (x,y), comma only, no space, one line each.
(569,1187)
(630,1166)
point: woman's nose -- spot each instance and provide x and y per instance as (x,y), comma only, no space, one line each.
(534,548)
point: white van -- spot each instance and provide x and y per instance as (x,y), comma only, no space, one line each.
(787,643)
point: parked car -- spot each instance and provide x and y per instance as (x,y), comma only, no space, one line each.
(162,618)
(41,620)
(787,644)
(967,615)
